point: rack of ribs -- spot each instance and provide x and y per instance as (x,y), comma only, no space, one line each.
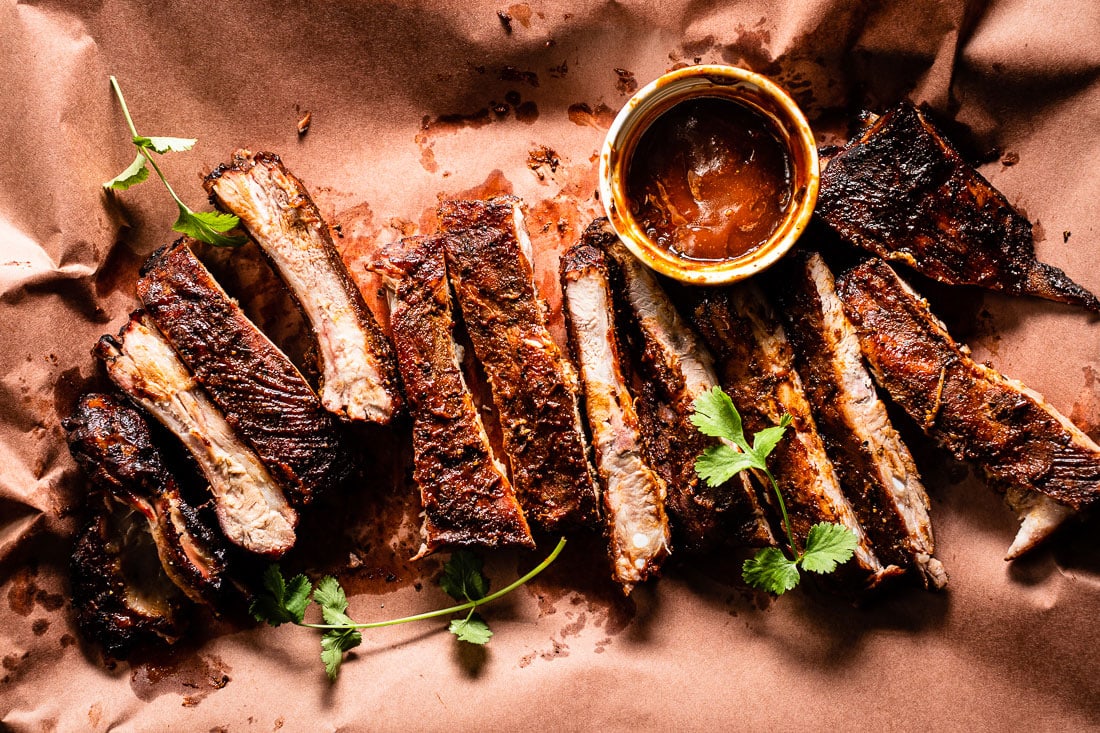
(677,369)
(111,441)
(465,491)
(875,467)
(633,493)
(534,388)
(263,396)
(899,189)
(1048,466)
(358,374)
(251,508)
(757,372)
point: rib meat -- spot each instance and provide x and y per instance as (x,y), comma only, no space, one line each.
(251,509)
(465,492)
(261,393)
(875,467)
(633,493)
(534,388)
(900,190)
(758,374)
(676,369)
(358,374)
(981,416)
(121,595)
(112,443)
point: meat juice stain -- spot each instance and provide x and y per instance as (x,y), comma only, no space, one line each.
(193,676)
(600,117)
(709,180)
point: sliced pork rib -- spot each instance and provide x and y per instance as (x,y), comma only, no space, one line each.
(633,493)
(112,443)
(996,423)
(465,491)
(122,597)
(359,377)
(261,393)
(677,369)
(534,387)
(900,190)
(757,372)
(874,465)
(251,508)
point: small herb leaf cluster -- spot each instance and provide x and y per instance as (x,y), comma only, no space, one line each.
(205,226)
(285,601)
(827,545)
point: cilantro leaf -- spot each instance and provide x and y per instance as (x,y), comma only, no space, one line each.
(472,629)
(134,174)
(462,578)
(333,645)
(764,442)
(719,463)
(284,602)
(771,570)
(827,546)
(207,226)
(332,599)
(716,416)
(164,145)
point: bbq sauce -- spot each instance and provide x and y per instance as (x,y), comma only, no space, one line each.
(709,180)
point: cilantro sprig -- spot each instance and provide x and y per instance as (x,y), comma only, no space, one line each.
(206,226)
(285,601)
(827,545)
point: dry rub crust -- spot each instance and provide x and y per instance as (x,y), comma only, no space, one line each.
(875,468)
(633,493)
(677,369)
(358,374)
(111,441)
(534,387)
(261,393)
(981,416)
(467,497)
(899,189)
(757,372)
(251,508)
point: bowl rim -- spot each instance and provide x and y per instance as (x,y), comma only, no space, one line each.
(688,83)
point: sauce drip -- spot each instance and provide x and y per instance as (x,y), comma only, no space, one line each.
(710,179)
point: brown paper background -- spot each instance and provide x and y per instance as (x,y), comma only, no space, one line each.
(1005,647)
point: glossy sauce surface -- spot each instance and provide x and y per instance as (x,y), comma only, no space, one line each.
(710,179)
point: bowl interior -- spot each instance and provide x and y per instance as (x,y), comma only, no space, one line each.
(730,83)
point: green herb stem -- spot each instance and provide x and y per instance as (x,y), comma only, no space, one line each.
(468,606)
(783,511)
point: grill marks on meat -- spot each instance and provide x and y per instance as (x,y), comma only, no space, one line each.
(251,509)
(359,377)
(633,494)
(677,369)
(874,465)
(112,443)
(996,423)
(758,374)
(901,191)
(122,597)
(465,492)
(534,388)
(261,393)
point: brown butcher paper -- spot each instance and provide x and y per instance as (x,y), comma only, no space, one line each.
(413,102)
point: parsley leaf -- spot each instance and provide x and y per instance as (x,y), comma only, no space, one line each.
(284,602)
(771,570)
(462,578)
(207,226)
(471,629)
(164,145)
(827,546)
(334,643)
